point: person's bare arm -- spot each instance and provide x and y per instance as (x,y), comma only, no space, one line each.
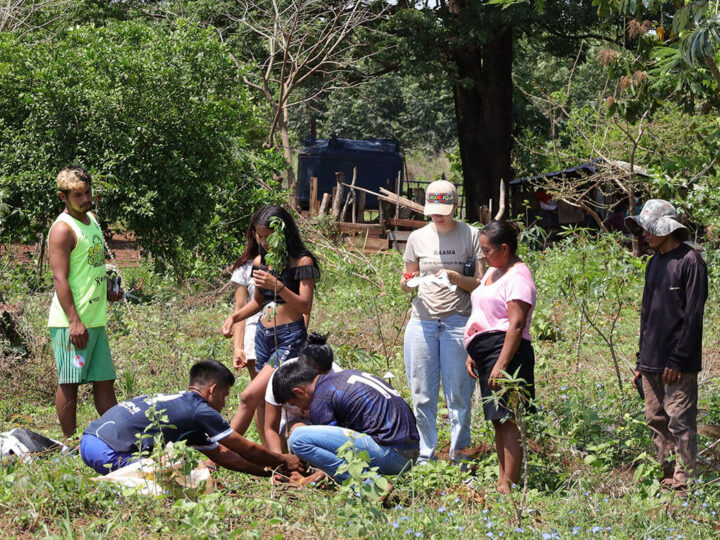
(273,414)
(301,301)
(239,359)
(411,268)
(62,242)
(233,461)
(248,310)
(260,455)
(517,315)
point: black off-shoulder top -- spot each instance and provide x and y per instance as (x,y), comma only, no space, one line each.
(290,277)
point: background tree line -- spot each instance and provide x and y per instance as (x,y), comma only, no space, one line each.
(188,111)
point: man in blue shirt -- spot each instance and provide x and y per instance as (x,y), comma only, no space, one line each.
(343,406)
(128,429)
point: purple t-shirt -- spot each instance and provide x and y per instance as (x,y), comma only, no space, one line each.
(489,302)
(364,403)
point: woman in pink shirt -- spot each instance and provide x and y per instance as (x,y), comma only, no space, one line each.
(497,339)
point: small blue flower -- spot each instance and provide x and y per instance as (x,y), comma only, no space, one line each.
(399,507)
(418,534)
(547,536)
(563,388)
(450,513)
(443,493)
(485,511)
(441,509)
(575,530)
(395,524)
(704,505)
(404,518)
(489,524)
(596,529)
(460,528)
(457,499)
(519,530)
(408,531)
(490,534)
(605,499)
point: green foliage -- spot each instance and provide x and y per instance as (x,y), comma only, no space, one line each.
(588,467)
(415,109)
(159,116)
(277,256)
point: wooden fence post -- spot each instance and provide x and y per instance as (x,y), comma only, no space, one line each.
(312,204)
(326,198)
(337,196)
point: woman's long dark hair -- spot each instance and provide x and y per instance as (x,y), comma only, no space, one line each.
(294,244)
(252,249)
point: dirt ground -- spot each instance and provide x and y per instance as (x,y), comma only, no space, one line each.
(124,248)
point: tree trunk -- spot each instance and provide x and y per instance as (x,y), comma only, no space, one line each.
(287,153)
(483,108)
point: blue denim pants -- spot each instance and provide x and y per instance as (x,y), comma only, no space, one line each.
(291,337)
(434,352)
(318,446)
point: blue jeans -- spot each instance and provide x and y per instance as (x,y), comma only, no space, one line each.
(434,351)
(98,455)
(318,446)
(291,337)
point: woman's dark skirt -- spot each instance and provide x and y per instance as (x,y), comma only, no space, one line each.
(485,349)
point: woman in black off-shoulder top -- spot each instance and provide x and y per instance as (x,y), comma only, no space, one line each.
(285,299)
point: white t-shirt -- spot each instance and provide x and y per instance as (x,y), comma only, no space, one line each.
(434,251)
(293,413)
(243,276)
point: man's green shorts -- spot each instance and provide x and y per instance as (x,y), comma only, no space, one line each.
(78,366)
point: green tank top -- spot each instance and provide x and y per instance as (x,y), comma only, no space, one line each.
(87,279)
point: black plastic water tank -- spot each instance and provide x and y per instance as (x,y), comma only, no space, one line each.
(377,161)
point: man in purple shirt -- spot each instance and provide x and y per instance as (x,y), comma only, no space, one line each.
(343,406)
(670,355)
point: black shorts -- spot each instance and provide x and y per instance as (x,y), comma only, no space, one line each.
(485,349)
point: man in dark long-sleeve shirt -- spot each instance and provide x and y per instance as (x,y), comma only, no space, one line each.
(670,355)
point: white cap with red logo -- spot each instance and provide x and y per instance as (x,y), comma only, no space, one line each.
(440,198)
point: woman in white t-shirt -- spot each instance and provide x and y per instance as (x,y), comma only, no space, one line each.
(497,339)
(279,419)
(244,331)
(433,346)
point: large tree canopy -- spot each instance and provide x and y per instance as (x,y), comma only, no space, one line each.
(159,115)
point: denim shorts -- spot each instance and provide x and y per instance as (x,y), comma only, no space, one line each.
(291,337)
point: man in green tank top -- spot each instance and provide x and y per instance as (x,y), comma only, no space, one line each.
(77,313)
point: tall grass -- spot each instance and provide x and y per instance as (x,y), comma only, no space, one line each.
(591,472)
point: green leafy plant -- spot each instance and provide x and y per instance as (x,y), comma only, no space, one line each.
(361,494)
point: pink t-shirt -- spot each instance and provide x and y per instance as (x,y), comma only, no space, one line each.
(489,302)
